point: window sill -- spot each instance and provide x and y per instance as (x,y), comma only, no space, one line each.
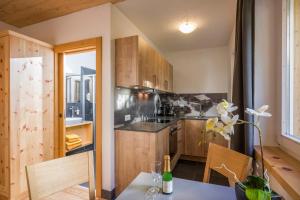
(293,139)
(283,167)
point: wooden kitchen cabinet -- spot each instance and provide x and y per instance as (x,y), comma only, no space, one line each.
(216,138)
(194,137)
(136,151)
(197,139)
(138,64)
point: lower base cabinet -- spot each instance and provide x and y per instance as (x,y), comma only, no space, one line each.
(197,139)
(135,152)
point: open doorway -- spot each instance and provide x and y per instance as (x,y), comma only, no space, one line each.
(78,106)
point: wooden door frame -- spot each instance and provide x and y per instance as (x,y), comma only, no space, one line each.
(59,51)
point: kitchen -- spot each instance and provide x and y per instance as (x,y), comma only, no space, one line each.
(158,109)
(126,99)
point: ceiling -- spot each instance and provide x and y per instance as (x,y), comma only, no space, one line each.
(21,13)
(159,19)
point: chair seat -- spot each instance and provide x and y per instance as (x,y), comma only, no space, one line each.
(73,193)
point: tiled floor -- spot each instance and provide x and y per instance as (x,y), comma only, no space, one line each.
(195,170)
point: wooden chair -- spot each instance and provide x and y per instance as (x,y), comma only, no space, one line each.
(50,177)
(219,158)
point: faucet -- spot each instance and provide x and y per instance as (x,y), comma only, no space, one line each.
(74,111)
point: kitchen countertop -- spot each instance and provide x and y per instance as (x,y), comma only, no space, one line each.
(154,127)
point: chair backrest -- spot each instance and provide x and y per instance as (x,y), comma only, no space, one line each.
(52,176)
(219,158)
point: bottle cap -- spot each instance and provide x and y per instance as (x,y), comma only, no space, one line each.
(167,157)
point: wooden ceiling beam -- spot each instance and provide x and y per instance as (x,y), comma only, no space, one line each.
(22,13)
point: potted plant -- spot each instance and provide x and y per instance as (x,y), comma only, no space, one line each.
(254,187)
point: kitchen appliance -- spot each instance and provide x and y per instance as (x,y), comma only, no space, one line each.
(173,140)
(166,109)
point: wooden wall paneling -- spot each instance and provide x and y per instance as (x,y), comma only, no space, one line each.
(23,13)
(32,127)
(4,117)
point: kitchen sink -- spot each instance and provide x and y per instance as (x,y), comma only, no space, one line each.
(73,120)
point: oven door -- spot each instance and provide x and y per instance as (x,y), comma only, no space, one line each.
(173,142)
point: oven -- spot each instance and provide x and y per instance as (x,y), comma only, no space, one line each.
(173,140)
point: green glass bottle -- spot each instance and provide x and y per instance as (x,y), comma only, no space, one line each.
(167,176)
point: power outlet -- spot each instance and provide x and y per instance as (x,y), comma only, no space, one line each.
(127,118)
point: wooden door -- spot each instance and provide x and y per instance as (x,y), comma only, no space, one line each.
(60,51)
(194,137)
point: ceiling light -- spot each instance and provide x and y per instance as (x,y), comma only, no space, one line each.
(187,27)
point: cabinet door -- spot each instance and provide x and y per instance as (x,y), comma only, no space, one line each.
(216,138)
(126,61)
(162,144)
(147,65)
(180,136)
(164,75)
(170,78)
(194,137)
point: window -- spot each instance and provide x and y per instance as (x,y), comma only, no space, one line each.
(291,70)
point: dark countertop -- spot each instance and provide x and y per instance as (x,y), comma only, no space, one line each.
(154,127)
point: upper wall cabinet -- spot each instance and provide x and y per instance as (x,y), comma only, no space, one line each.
(138,64)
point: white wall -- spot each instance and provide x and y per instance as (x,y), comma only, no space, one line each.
(201,70)
(123,27)
(267,65)
(231,55)
(93,22)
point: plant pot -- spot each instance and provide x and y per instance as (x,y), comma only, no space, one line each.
(241,195)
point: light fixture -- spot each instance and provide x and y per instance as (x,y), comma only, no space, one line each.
(187,27)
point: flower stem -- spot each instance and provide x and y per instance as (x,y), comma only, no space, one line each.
(260,143)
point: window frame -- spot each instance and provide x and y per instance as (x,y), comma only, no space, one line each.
(285,139)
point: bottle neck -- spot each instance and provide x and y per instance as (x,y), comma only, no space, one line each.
(167,167)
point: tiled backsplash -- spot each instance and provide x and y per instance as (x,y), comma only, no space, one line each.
(193,104)
(142,102)
(133,102)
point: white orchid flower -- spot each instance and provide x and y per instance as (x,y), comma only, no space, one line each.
(260,112)
(225,107)
(229,123)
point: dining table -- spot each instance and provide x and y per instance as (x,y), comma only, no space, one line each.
(182,190)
